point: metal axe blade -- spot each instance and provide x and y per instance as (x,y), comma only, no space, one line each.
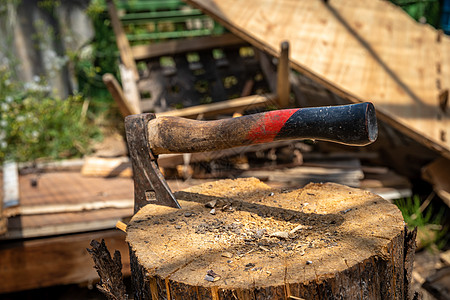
(146,174)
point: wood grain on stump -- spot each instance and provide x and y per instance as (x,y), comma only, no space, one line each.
(240,239)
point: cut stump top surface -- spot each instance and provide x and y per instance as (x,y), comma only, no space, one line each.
(262,237)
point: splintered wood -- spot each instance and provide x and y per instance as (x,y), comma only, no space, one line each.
(242,239)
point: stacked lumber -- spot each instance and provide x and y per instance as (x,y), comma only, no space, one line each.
(287,164)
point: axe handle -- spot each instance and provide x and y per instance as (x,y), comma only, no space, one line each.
(353,124)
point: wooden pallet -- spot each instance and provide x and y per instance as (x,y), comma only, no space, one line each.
(222,72)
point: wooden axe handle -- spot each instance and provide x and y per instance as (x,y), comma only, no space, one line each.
(353,124)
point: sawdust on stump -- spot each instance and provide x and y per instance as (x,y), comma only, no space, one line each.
(241,239)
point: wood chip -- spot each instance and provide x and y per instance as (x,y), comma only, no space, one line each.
(280,234)
(293,231)
(227,254)
(211,204)
(264,248)
(445,257)
(212,276)
(296,298)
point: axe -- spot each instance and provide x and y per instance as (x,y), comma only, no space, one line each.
(148,136)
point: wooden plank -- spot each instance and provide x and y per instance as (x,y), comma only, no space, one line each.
(122,41)
(125,107)
(438,283)
(222,107)
(42,209)
(3,224)
(10,184)
(438,174)
(107,167)
(144,52)
(390,193)
(29,226)
(52,261)
(301,176)
(67,202)
(3,218)
(283,84)
(130,88)
(173,160)
(72,188)
(361,50)
(72,165)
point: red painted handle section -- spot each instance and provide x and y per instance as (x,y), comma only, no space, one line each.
(267,128)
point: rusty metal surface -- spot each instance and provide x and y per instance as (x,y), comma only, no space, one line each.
(149,183)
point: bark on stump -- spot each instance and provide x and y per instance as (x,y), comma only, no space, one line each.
(240,239)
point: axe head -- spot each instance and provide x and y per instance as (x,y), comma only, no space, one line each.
(149,183)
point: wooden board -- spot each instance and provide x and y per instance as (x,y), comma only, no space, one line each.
(45,262)
(66,202)
(71,187)
(261,243)
(10,185)
(438,174)
(3,219)
(361,50)
(29,226)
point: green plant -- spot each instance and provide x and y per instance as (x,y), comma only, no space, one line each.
(100,56)
(430,231)
(36,125)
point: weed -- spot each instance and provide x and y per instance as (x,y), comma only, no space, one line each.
(431,233)
(35,124)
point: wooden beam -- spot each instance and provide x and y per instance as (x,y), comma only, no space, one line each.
(122,42)
(223,107)
(130,87)
(71,165)
(41,209)
(283,84)
(107,167)
(115,90)
(143,52)
(3,218)
(438,174)
(10,184)
(172,160)
(52,261)
(59,229)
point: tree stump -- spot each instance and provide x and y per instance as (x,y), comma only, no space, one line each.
(241,239)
